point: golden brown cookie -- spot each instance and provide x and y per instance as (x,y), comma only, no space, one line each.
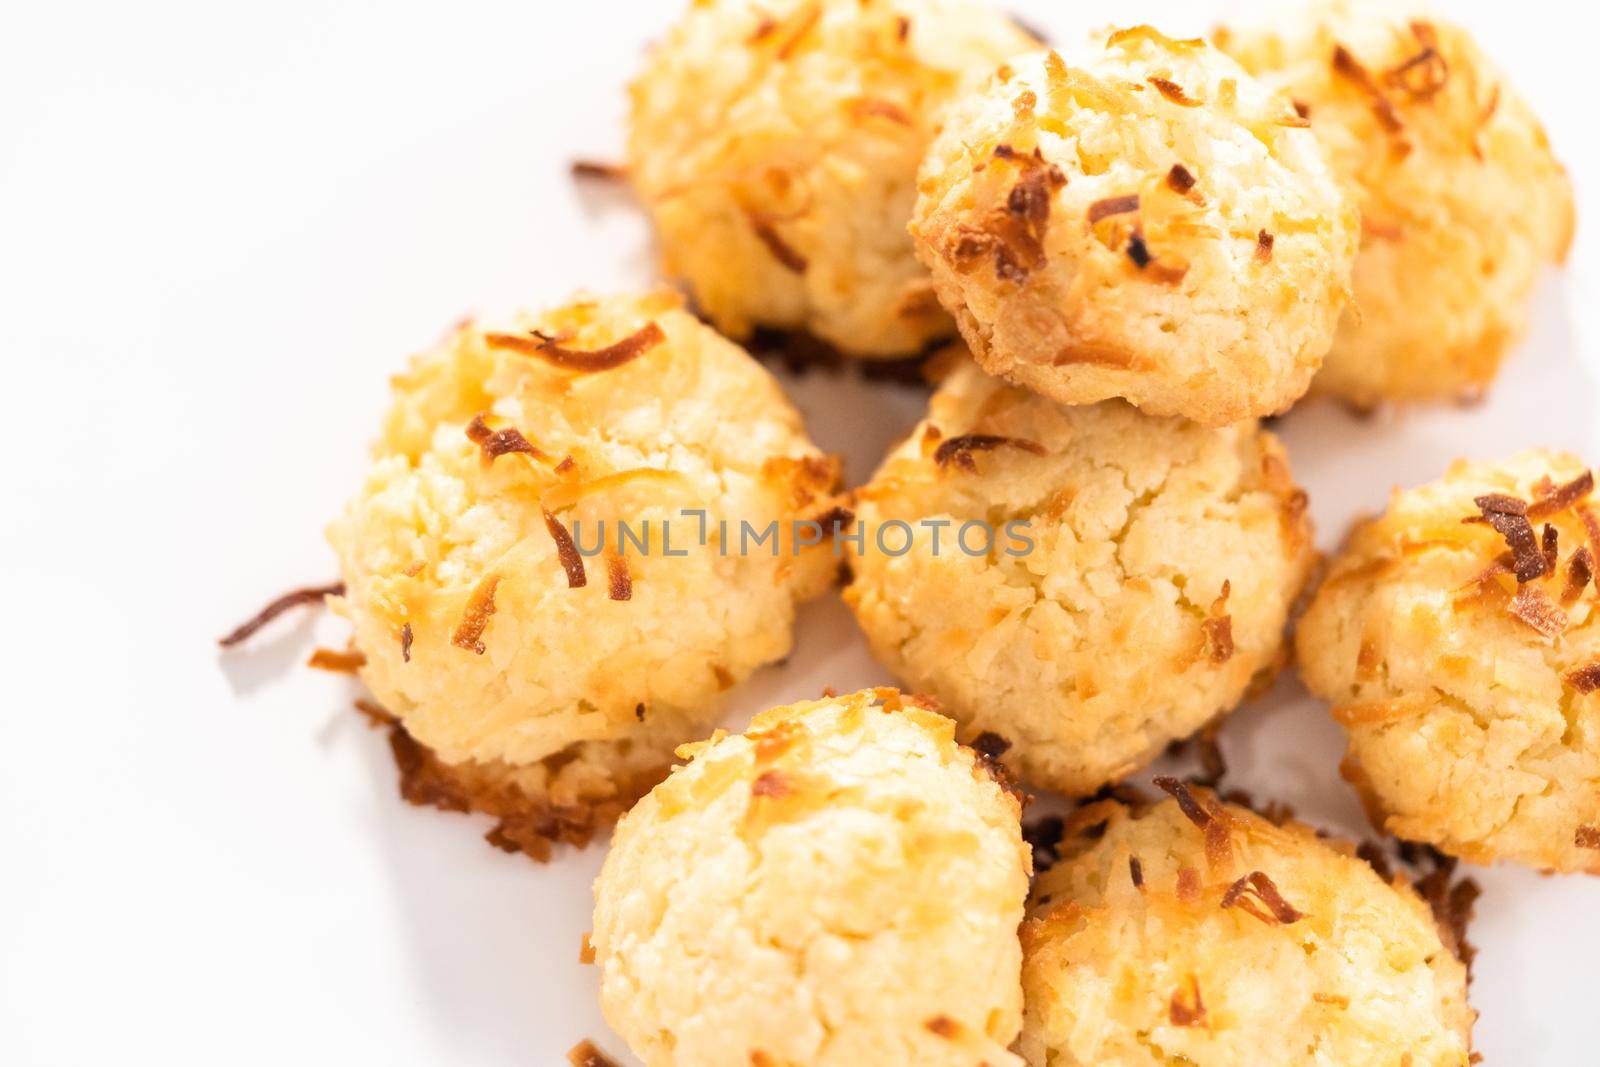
(1142,221)
(1458,639)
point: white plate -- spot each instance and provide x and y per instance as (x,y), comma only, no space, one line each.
(222,227)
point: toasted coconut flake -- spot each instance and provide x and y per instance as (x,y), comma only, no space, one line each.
(773,784)
(595,170)
(1136,873)
(1587,837)
(1256,889)
(1188,889)
(902,28)
(497,443)
(405,643)
(1420,76)
(1180,180)
(1186,1007)
(566,552)
(959,450)
(1509,518)
(1561,497)
(1580,572)
(1301,108)
(552,351)
(584,1054)
(480,605)
(1138,251)
(1585,679)
(944,1027)
(1190,806)
(990,745)
(1173,92)
(1348,66)
(1108,206)
(297,598)
(586,949)
(1264,242)
(1533,607)
(875,107)
(1452,900)
(781,250)
(619,582)
(328,659)
(375,714)
(1017,232)
(1550,548)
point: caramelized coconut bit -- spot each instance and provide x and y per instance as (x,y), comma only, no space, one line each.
(1190,1010)
(1172,91)
(497,443)
(959,450)
(1136,873)
(1258,886)
(596,170)
(552,351)
(871,106)
(803,25)
(1347,66)
(771,784)
(405,643)
(566,552)
(1591,526)
(618,581)
(584,1054)
(1190,806)
(1301,108)
(1121,205)
(1452,904)
(944,1026)
(1044,835)
(327,659)
(1585,679)
(1138,251)
(1559,499)
(781,250)
(375,714)
(295,599)
(1179,180)
(1509,518)
(1264,242)
(1549,546)
(1587,837)
(1421,76)
(480,605)
(990,745)
(1188,885)
(1021,227)
(902,28)
(1580,572)
(1531,606)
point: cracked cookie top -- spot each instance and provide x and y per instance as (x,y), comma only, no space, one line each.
(1148,587)
(839,885)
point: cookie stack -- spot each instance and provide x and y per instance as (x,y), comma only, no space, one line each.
(1123,254)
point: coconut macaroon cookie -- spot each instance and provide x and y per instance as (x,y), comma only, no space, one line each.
(544,663)
(841,885)
(1138,577)
(1148,223)
(776,143)
(1458,639)
(1462,200)
(1205,934)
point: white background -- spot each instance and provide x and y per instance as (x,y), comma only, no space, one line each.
(221,227)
